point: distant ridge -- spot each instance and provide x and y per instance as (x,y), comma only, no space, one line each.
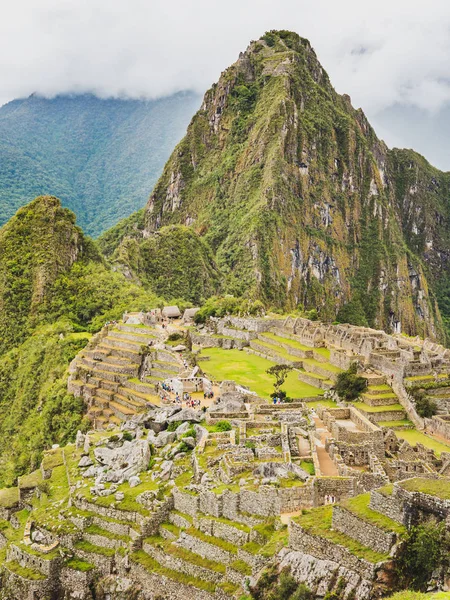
(100,157)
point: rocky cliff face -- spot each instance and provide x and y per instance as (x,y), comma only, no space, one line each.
(299,200)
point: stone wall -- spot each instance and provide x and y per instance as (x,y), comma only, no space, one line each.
(322,548)
(387,505)
(363,532)
(439,425)
(339,487)
(50,568)
(171,590)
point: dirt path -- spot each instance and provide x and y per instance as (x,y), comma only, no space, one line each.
(327,466)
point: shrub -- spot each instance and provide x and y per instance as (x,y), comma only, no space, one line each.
(223,426)
(173,426)
(349,385)
(426,547)
(425,406)
(127,436)
(274,585)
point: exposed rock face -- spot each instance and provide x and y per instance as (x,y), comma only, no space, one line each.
(302,203)
(126,461)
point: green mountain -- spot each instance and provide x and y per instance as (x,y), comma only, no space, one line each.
(101,157)
(55,288)
(301,203)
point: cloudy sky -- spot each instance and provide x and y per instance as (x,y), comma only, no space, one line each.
(391,56)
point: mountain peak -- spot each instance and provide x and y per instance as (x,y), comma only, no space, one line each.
(300,201)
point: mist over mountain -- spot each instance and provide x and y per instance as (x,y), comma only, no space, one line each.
(100,157)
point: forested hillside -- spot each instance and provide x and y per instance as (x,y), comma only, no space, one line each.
(100,157)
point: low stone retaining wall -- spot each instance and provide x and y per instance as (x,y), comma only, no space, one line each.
(322,548)
(205,549)
(158,585)
(181,566)
(50,568)
(392,415)
(224,531)
(363,532)
(15,586)
(387,505)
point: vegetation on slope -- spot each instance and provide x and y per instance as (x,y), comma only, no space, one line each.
(54,287)
(174,263)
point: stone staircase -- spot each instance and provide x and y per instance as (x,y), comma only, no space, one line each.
(118,373)
(381,405)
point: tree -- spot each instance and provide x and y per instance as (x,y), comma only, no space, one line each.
(426,548)
(280,372)
(425,406)
(349,385)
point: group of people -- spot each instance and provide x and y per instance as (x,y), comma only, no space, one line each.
(277,400)
(208,395)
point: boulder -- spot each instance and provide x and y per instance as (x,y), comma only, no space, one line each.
(187,414)
(134,481)
(85,461)
(166,470)
(190,442)
(125,462)
(182,429)
(79,440)
(164,438)
(200,433)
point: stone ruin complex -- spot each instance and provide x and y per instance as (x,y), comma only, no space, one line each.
(167,502)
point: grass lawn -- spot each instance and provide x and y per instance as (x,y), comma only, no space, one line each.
(413,437)
(378,409)
(250,370)
(435,487)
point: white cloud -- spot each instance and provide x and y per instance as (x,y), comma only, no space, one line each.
(381,53)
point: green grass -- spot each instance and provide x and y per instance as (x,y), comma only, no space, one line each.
(92,549)
(177,551)
(414,437)
(154,567)
(434,487)
(250,370)
(327,366)
(24,572)
(96,530)
(231,548)
(401,423)
(279,540)
(9,497)
(378,409)
(318,522)
(242,567)
(77,564)
(287,341)
(359,506)
(308,466)
(324,403)
(52,459)
(28,482)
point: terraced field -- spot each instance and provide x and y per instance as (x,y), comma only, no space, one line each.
(250,370)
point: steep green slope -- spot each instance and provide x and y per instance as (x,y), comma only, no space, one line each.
(296,196)
(54,288)
(175,262)
(101,157)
